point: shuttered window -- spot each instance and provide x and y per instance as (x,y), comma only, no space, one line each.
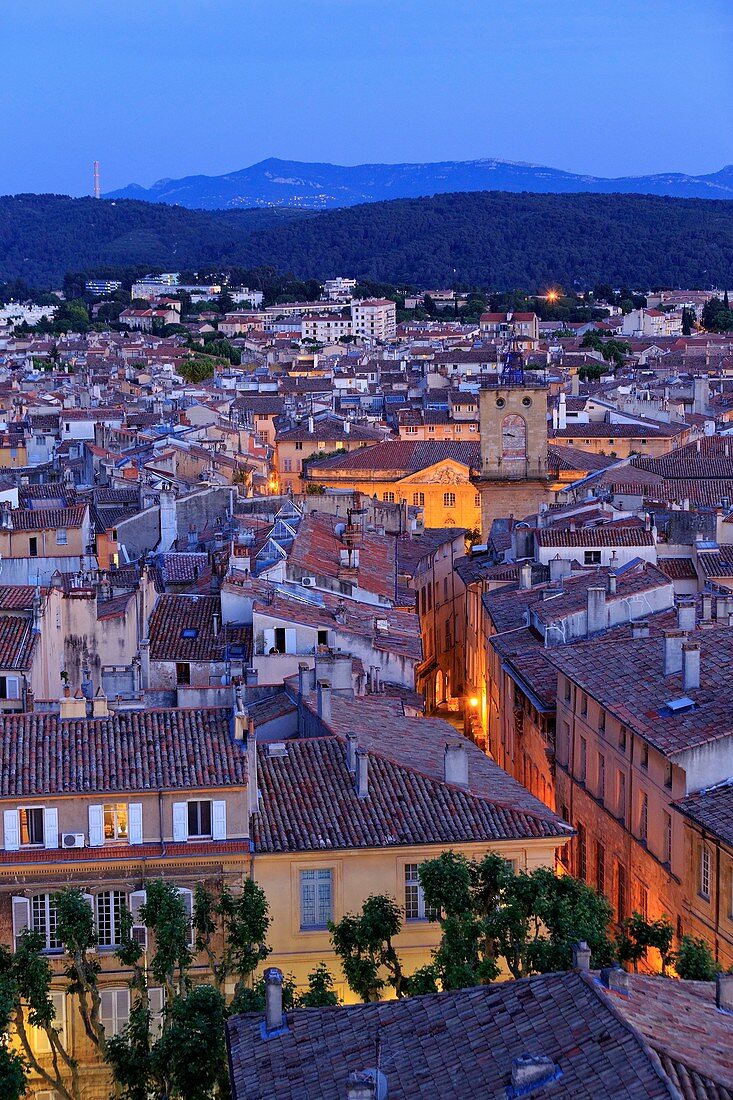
(316,898)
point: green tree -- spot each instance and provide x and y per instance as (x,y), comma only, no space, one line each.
(639,934)
(364,944)
(320,992)
(694,960)
(688,319)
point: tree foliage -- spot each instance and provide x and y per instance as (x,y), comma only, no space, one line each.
(694,960)
(638,935)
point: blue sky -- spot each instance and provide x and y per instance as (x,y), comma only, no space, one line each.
(154,88)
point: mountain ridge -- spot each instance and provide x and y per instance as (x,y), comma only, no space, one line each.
(322,186)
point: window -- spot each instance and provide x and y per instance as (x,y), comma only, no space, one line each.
(582,869)
(601,776)
(9,687)
(668,776)
(620,891)
(62,537)
(445,588)
(583,705)
(643,899)
(43,921)
(316,898)
(287,465)
(477,500)
(449,500)
(115,821)
(621,795)
(643,816)
(37,1035)
(114,1010)
(199,818)
(33,546)
(109,906)
(622,738)
(415,908)
(592,557)
(183,672)
(600,868)
(323,637)
(568,691)
(667,837)
(31,827)
(644,756)
(418,498)
(602,722)
(583,762)
(705,872)
(388,498)
(299,446)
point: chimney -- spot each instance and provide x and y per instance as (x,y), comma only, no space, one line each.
(251,677)
(724,992)
(559,568)
(525,575)
(310,425)
(99,705)
(691,666)
(581,956)
(611,585)
(347,427)
(721,606)
(686,615)
(640,629)
(303,679)
(362,773)
(673,640)
(532,1071)
(562,421)
(597,614)
(274,1021)
(455,765)
(324,700)
(352,742)
(361,1086)
(215,623)
(707,607)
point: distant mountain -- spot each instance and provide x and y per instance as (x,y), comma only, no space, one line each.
(291,183)
(488,238)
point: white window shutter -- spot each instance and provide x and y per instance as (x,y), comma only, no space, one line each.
(219,820)
(51,827)
(135,822)
(123,1008)
(21,917)
(107,1010)
(59,1006)
(156,1001)
(12,687)
(180,821)
(290,642)
(11,826)
(139,930)
(269,640)
(96,826)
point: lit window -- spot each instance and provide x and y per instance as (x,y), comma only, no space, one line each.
(415,908)
(115,821)
(316,898)
(31,827)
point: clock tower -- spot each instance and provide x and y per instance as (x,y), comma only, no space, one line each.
(514,476)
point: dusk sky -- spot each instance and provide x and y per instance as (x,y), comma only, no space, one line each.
(210,86)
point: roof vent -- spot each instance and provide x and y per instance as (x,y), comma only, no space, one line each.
(531,1072)
(277,749)
(678,706)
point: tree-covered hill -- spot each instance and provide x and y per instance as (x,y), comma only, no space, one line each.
(487,238)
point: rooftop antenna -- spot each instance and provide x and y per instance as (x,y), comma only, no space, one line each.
(97,190)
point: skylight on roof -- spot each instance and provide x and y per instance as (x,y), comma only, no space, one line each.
(190,632)
(679,706)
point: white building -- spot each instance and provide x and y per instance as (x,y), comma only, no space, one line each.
(326,328)
(374,318)
(339,290)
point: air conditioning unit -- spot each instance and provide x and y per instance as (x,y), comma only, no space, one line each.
(308,582)
(72,840)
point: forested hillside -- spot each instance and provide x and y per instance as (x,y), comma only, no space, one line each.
(488,239)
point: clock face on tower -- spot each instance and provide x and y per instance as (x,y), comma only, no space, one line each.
(513,438)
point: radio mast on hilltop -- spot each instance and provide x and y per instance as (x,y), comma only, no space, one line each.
(97,190)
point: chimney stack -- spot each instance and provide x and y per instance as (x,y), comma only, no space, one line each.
(707,608)
(273,999)
(691,666)
(215,623)
(362,773)
(581,956)
(673,640)
(455,765)
(597,612)
(611,584)
(324,700)
(640,629)
(686,615)
(525,575)
(361,1086)
(724,992)
(352,742)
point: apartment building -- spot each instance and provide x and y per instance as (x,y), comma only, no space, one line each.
(374,319)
